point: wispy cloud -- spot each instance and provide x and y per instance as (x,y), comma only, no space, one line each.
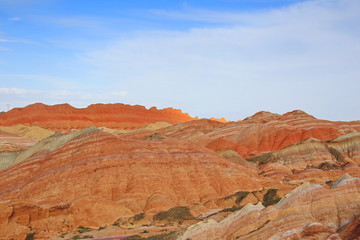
(8,40)
(92,25)
(56,94)
(14,19)
(5,49)
(47,81)
(201,15)
(276,60)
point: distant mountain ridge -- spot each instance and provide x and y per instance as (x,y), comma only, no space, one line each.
(161,172)
(64,116)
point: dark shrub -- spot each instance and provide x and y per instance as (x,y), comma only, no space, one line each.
(175,214)
(271,197)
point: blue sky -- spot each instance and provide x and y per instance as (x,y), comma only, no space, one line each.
(218,58)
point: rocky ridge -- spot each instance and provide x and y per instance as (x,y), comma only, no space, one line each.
(64,117)
(214,178)
(308,212)
(92,177)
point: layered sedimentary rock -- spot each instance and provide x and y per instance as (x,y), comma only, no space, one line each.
(308,212)
(313,152)
(34,132)
(263,132)
(141,161)
(92,178)
(313,159)
(278,133)
(12,142)
(62,117)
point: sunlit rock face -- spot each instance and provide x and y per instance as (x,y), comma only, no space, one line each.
(57,174)
(12,142)
(261,133)
(313,160)
(63,117)
(308,212)
(93,178)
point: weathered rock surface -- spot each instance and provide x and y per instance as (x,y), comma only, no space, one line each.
(12,142)
(313,160)
(92,178)
(261,133)
(141,161)
(278,133)
(34,132)
(308,212)
(62,117)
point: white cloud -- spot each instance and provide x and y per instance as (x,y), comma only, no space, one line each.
(6,40)
(5,49)
(15,91)
(39,81)
(14,19)
(303,56)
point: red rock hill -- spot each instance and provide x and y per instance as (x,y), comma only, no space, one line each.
(93,178)
(64,116)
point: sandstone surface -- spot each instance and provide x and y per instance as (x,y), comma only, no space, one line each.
(308,212)
(64,116)
(92,178)
(34,132)
(313,160)
(137,165)
(12,142)
(261,133)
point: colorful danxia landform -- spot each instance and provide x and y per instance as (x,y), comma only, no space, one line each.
(127,172)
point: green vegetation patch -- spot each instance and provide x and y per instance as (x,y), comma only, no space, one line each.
(139,216)
(238,195)
(154,136)
(30,236)
(165,236)
(232,209)
(117,223)
(82,229)
(134,237)
(271,197)
(82,237)
(175,214)
(63,235)
(265,158)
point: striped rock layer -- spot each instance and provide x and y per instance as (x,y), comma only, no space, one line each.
(91,178)
(308,212)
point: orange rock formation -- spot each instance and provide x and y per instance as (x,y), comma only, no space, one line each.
(263,132)
(62,117)
(308,212)
(92,178)
(161,159)
(12,142)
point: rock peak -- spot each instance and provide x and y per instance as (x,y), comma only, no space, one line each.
(296,114)
(343,180)
(262,117)
(64,116)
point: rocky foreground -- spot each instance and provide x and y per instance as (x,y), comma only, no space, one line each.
(135,173)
